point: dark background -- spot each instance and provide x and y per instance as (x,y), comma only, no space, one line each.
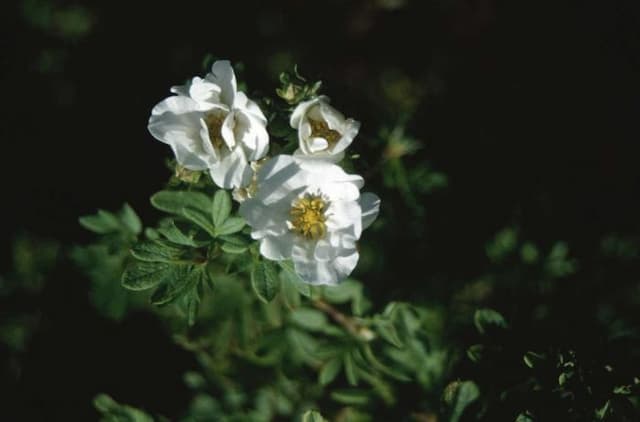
(529,108)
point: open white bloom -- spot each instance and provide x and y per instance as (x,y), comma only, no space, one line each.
(312,212)
(210,125)
(323,132)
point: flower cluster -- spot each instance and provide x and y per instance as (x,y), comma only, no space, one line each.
(302,207)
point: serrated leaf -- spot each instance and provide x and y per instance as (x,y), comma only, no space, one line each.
(483,318)
(201,220)
(183,278)
(221,207)
(102,222)
(154,251)
(265,282)
(329,371)
(230,226)
(311,319)
(173,234)
(176,201)
(144,275)
(130,219)
(312,416)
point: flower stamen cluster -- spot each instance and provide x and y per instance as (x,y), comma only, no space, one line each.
(308,217)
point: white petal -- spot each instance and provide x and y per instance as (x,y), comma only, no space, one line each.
(370,205)
(322,272)
(317,144)
(277,248)
(204,92)
(222,75)
(349,131)
(176,122)
(301,110)
(243,103)
(227,130)
(232,170)
(335,119)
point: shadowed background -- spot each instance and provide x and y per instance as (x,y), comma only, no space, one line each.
(530,110)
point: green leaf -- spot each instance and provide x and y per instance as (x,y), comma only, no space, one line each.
(525,417)
(200,219)
(264,279)
(102,223)
(173,234)
(176,201)
(234,244)
(483,318)
(531,359)
(144,275)
(311,319)
(350,369)
(475,352)
(312,416)
(353,397)
(221,207)
(466,393)
(130,219)
(184,277)
(387,331)
(329,371)
(115,412)
(154,251)
(230,226)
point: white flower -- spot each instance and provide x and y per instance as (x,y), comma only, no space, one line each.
(323,132)
(210,125)
(312,212)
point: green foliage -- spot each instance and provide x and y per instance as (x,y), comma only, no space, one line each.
(112,411)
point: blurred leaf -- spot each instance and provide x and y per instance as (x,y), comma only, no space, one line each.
(329,371)
(130,219)
(465,393)
(353,397)
(484,318)
(309,319)
(312,416)
(102,223)
(111,411)
(264,279)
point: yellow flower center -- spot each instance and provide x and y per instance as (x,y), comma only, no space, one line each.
(214,125)
(308,217)
(320,129)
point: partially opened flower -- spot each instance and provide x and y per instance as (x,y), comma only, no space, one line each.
(312,212)
(210,125)
(323,132)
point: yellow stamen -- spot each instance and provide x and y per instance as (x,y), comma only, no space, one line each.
(214,125)
(308,217)
(320,129)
